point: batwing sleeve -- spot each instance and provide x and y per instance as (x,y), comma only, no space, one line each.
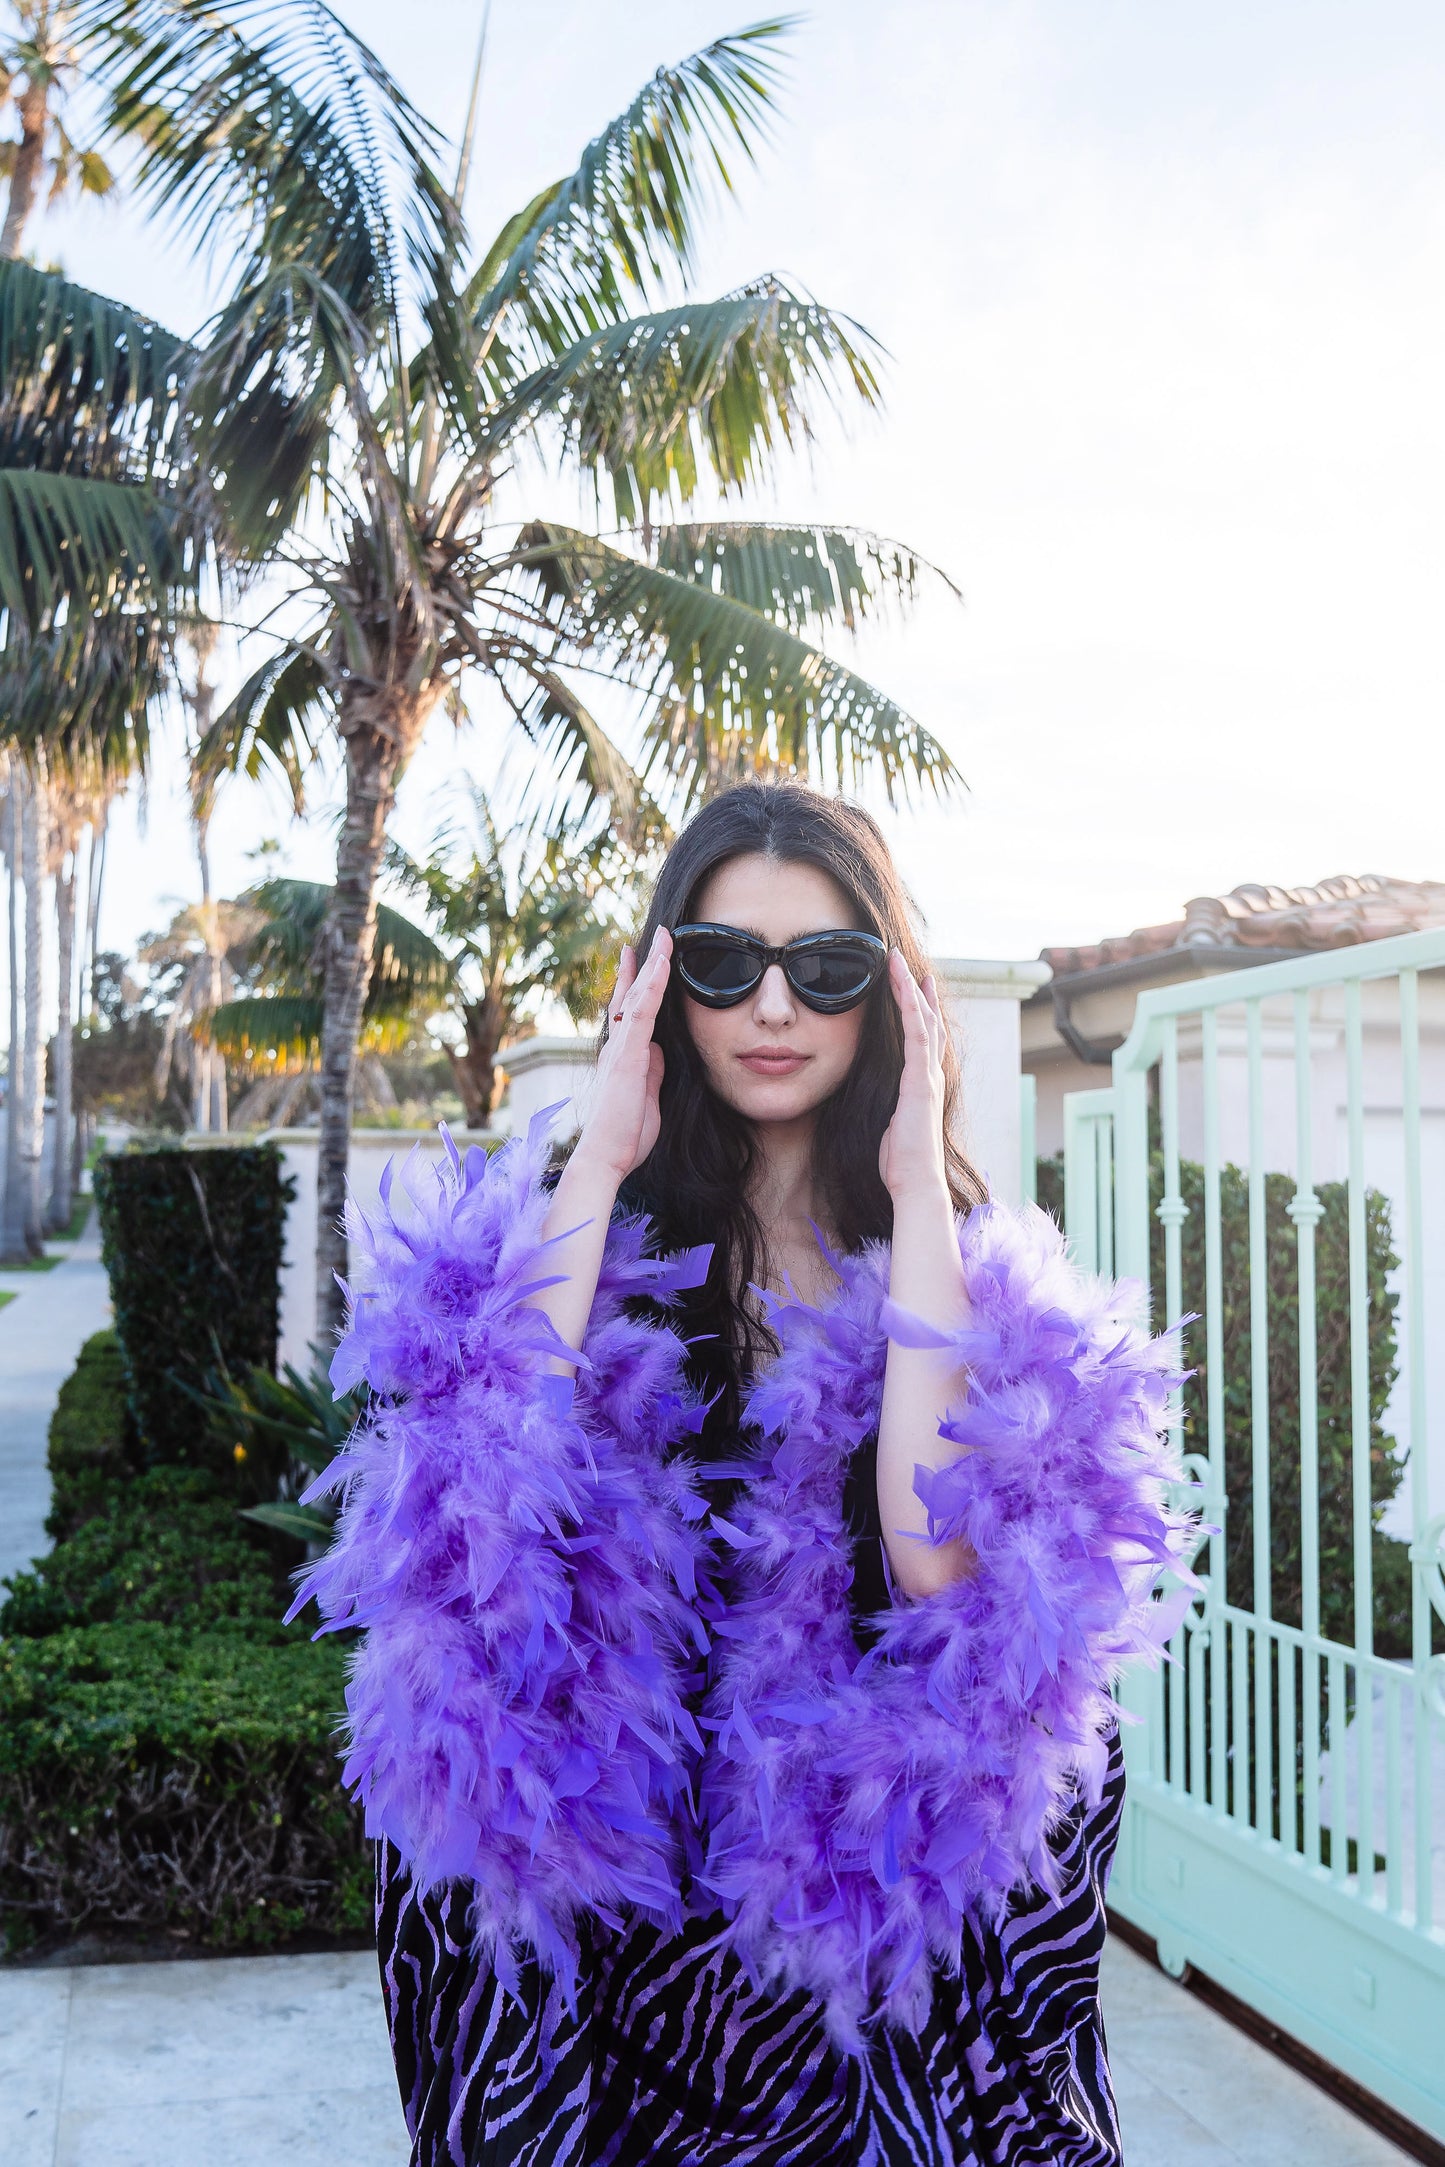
(518,1552)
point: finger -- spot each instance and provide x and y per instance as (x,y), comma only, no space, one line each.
(626,973)
(937,1021)
(652,979)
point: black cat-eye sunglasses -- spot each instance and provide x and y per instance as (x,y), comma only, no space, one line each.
(720,965)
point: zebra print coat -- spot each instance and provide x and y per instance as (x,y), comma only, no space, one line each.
(682,1859)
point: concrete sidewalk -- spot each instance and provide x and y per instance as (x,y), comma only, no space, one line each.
(247,2061)
(41,1332)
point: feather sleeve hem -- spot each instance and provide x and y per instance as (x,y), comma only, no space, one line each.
(860,1804)
(519,1551)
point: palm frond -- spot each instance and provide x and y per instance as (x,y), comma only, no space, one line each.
(731,692)
(408,968)
(85,688)
(804,577)
(726,383)
(277,719)
(85,383)
(66,539)
(577,751)
(271,120)
(628,215)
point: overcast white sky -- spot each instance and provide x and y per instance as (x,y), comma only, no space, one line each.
(1162,287)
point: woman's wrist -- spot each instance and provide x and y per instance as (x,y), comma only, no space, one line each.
(591,1175)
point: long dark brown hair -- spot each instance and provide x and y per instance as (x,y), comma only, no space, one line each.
(694,1183)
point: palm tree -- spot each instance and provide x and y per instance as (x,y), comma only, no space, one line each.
(274,1027)
(13,1249)
(103,533)
(567,335)
(514,924)
(37,63)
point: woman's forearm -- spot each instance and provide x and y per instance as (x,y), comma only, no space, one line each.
(920,1384)
(580,1214)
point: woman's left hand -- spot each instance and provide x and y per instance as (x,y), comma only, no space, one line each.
(910,1158)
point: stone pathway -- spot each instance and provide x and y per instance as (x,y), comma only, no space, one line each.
(41,1332)
(246,2061)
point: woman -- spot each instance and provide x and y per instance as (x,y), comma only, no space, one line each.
(744,1593)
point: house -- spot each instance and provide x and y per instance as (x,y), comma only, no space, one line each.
(1072,1025)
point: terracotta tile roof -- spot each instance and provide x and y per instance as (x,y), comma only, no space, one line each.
(1336,914)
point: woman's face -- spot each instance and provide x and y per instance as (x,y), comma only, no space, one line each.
(772,1058)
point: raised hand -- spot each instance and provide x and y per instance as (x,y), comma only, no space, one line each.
(910,1158)
(622,1116)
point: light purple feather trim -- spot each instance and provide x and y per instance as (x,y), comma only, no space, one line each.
(858,1805)
(515,1547)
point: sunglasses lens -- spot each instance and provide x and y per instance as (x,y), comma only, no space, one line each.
(720,968)
(839,973)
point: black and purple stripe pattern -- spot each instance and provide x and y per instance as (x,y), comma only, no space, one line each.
(673,2059)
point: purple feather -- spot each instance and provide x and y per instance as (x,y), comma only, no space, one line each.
(517,1711)
(857,1806)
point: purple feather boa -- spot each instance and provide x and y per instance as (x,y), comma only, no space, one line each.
(858,1805)
(523,1555)
(530,1562)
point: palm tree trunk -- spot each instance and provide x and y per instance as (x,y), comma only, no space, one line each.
(35,824)
(61,1192)
(25,173)
(373,761)
(95,876)
(12,1229)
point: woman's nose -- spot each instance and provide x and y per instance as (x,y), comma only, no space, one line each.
(773,1002)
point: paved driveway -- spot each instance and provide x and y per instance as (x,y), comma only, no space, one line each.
(249,2061)
(41,1332)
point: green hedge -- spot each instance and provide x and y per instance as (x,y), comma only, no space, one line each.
(167,1750)
(93,1449)
(192,1241)
(1336,1522)
(172,1549)
(156,1780)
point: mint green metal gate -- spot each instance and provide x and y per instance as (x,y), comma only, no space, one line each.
(1285,1826)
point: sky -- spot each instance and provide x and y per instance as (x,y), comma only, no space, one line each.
(1160,286)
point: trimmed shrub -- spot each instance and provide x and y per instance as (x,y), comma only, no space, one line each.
(172,1549)
(157,1780)
(192,1241)
(92,1439)
(1332,1311)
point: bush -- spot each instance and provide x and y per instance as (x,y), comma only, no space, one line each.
(192,1241)
(92,1445)
(1332,1256)
(172,1550)
(153,1779)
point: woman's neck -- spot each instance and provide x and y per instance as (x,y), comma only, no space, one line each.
(783,1193)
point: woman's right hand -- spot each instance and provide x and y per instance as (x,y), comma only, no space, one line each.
(622,1117)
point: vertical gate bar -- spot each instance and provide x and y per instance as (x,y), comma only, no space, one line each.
(1180,1654)
(1239,1730)
(1214,1413)
(1306,1210)
(1131,1181)
(1172,1211)
(1104,1193)
(1339,1815)
(1360,1431)
(1419,1447)
(1259,1419)
(1394,1816)
(1288,1758)
(1200,1645)
(1081,1208)
(1029,1138)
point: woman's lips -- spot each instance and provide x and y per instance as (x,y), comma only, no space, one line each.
(763,1062)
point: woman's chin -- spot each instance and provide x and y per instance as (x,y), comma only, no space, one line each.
(775,1098)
